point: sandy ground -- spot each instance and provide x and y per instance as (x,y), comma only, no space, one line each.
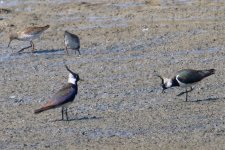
(119,104)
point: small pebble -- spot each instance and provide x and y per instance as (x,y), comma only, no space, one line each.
(12,97)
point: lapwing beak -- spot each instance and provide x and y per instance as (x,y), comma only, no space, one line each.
(69,69)
(72,72)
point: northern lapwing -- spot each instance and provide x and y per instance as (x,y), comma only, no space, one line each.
(71,41)
(63,97)
(185,78)
(28,34)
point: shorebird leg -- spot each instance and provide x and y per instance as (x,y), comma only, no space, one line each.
(191,89)
(186,94)
(32,44)
(186,91)
(9,42)
(79,51)
(26,47)
(67,119)
(62,113)
(66,50)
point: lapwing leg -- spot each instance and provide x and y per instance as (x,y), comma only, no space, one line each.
(191,89)
(32,44)
(67,119)
(79,51)
(25,48)
(62,113)
(186,91)
(180,93)
(66,50)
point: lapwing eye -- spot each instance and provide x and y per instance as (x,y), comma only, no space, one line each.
(76,76)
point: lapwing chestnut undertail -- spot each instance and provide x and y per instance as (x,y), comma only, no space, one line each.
(28,34)
(185,78)
(71,41)
(64,96)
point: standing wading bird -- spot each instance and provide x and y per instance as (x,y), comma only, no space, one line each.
(71,41)
(64,96)
(28,34)
(185,78)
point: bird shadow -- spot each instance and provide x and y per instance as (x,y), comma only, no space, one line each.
(208,99)
(79,119)
(40,52)
(48,51)
(204,100)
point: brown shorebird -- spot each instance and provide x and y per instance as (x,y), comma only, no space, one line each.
(63,97)
(28,34)
(185,78)
(72,41)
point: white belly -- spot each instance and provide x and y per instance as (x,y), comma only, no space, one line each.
(28,37)
(71,43)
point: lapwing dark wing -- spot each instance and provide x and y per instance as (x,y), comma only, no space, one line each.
(185,78)
(71,41)
(64,96)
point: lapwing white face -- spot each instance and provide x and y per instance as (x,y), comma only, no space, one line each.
(72,79)
(167,83)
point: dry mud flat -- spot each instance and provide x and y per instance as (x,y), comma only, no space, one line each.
(119,105)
